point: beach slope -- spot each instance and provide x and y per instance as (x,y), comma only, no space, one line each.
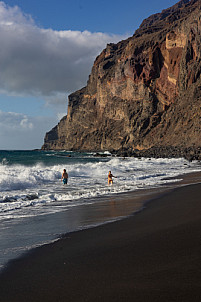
(154,255)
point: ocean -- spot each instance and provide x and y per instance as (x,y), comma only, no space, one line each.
(36,208)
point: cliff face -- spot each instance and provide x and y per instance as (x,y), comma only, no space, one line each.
(142,92)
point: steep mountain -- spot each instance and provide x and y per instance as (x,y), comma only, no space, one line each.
(142,93)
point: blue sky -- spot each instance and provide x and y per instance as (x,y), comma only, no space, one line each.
(47,51)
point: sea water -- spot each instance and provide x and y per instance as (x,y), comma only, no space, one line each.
(35,206)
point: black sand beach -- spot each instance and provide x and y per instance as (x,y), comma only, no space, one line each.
(154,255)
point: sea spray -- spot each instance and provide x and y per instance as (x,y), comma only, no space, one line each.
(32,179)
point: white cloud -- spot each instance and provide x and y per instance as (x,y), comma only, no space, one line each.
(11,121)
(43,63)
(37,61)
(26,124)
(13,15)
(19,131)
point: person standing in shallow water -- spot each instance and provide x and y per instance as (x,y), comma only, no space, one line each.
(64,177)
(110,180)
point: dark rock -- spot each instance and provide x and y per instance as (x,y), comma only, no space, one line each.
(100,155)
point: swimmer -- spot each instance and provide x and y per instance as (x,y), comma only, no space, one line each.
(64,177)
(110,180)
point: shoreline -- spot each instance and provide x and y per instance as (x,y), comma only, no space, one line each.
(31,233)
(154,253)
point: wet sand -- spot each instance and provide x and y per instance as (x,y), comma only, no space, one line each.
(154,255)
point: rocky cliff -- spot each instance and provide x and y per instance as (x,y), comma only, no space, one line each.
(144,92)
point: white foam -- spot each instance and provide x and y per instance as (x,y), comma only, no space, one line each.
(29,187)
